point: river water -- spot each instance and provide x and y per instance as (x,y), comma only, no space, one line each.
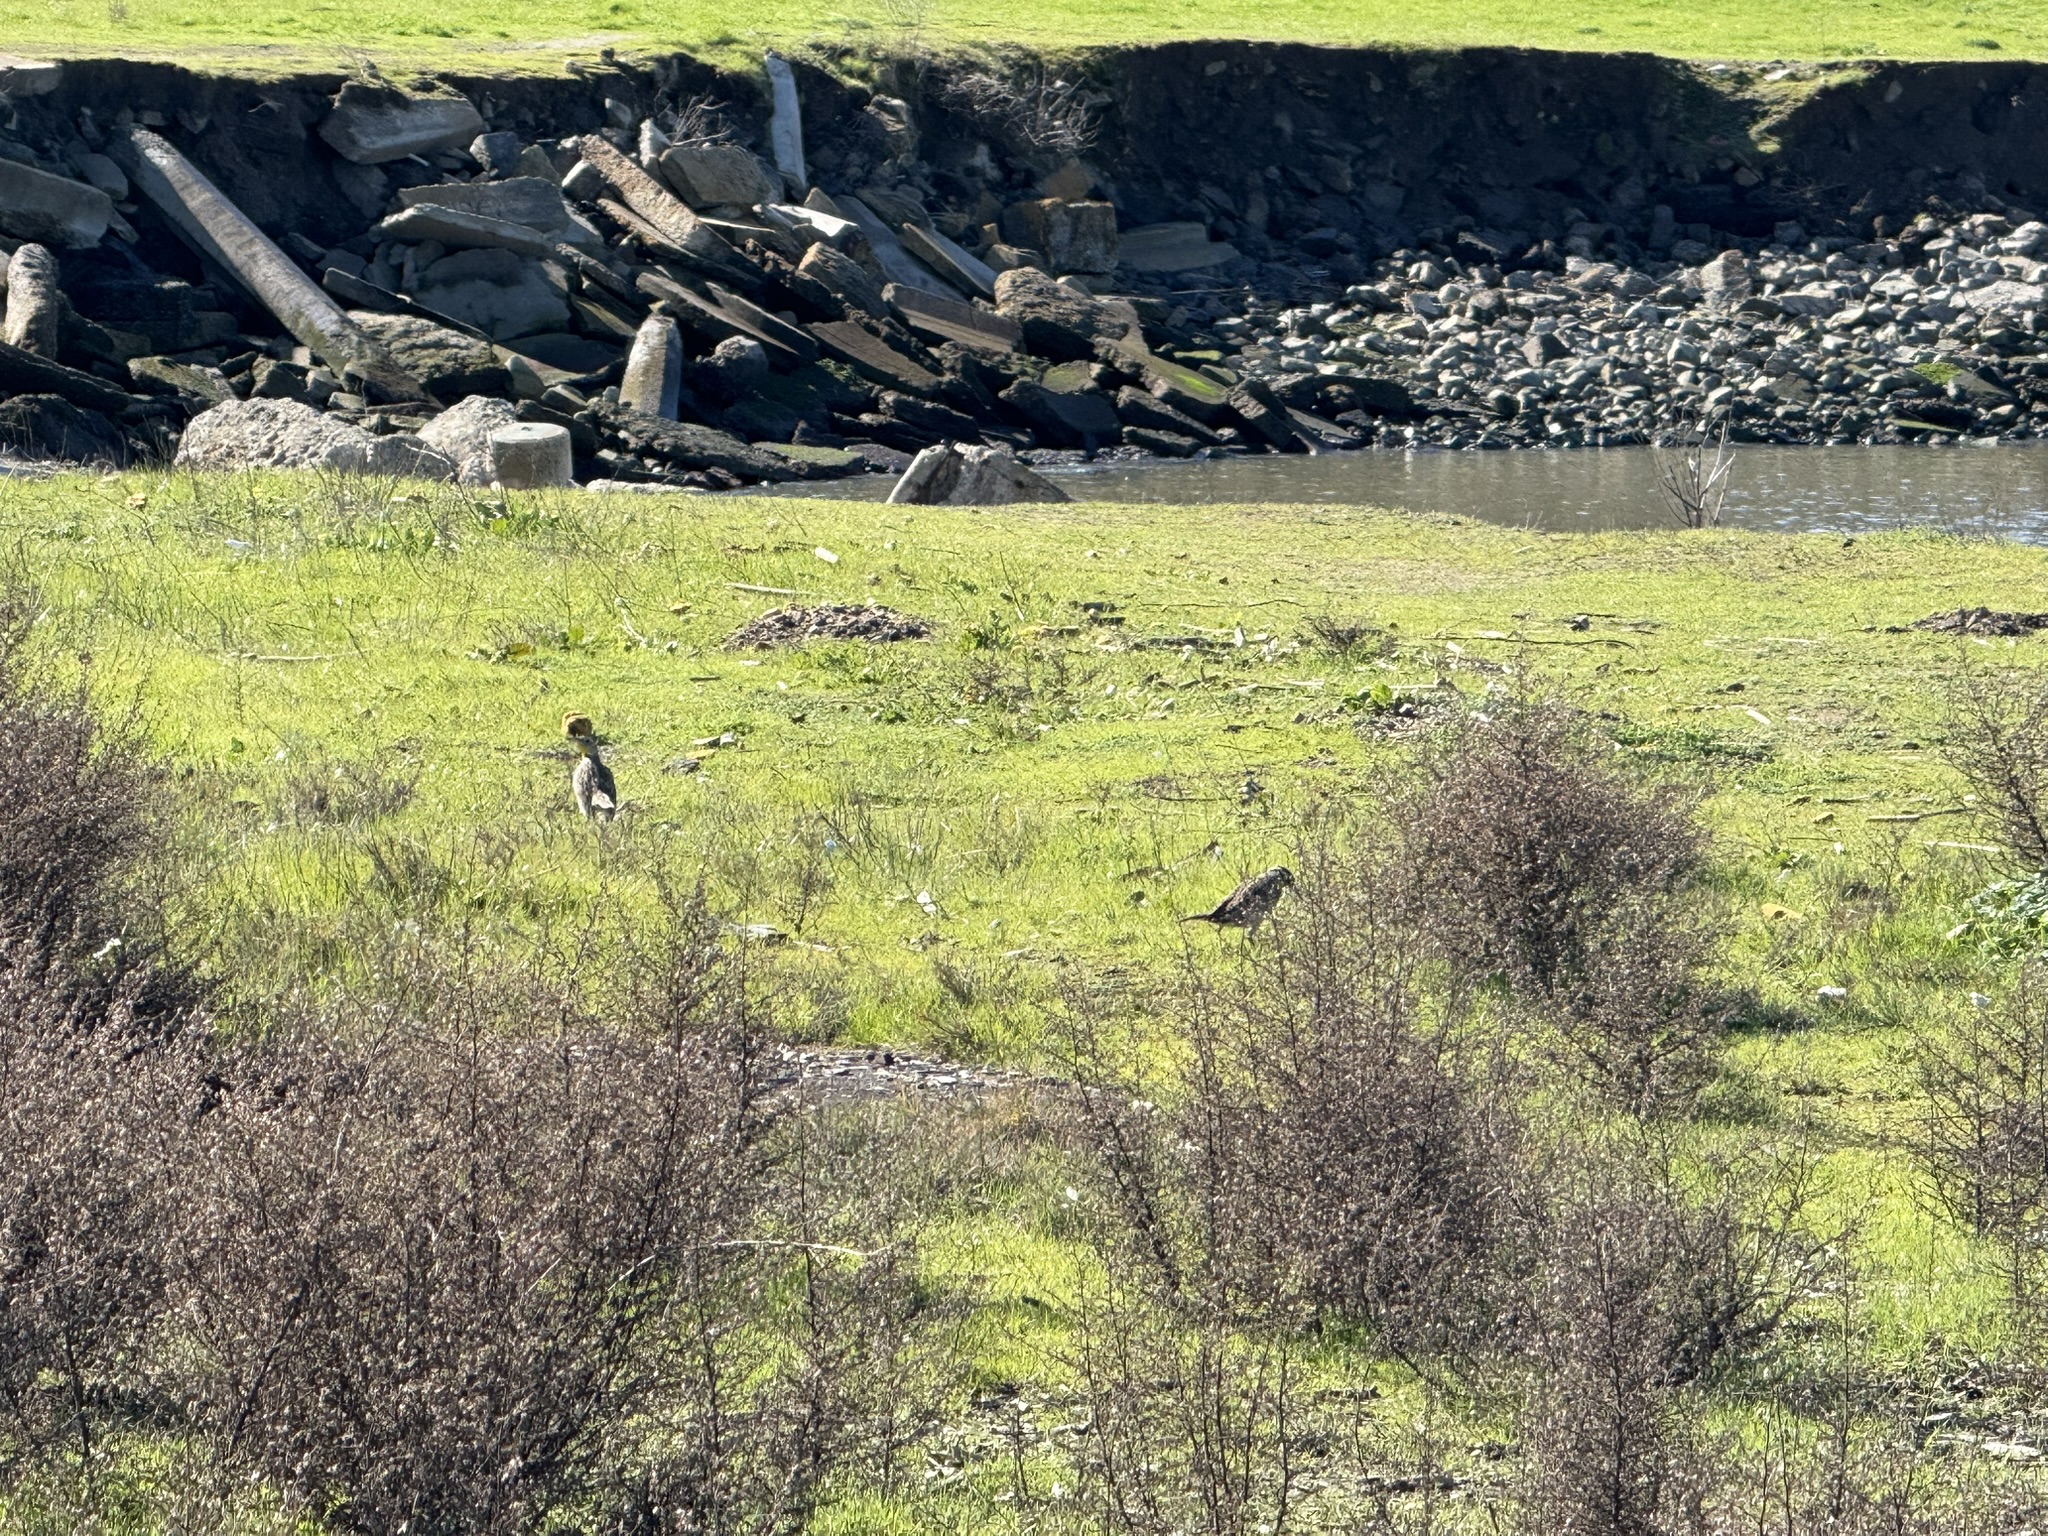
(1993,491)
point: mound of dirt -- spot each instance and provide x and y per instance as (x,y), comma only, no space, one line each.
(1983,621)
(798,625)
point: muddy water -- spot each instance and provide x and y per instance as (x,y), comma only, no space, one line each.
(1997,491)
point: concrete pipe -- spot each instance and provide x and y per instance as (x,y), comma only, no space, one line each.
(531,456)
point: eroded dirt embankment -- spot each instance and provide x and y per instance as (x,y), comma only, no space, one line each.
(1348,246)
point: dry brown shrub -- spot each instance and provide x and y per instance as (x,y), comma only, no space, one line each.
(1536,863)
(1998,741)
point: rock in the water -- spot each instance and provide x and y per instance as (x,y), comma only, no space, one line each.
(447,362)
(970,475)
(1136,409)
(34,316)
(497,292)
(1266,417)
(34,205)
(531,456)
(45,426)
(1057,322)
(283,434)
(654,369)
(710,175)
(371,124)
(463,434)
(1068,419)
(1076,237)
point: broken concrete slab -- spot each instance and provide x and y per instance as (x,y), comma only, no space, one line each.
(463,231)
(21,77)
(1168,248)
(829,227)
(529,200)
(712,175)
(1149,413)
(1075,237)
(970,475)
(284,434)
(786,122)
(218,229)
(654,369)
(1077,419)
(34,317)
(34,205)
(1184,389)
(716,313)
(685,445)
(942,319)
(24,373)
(669,217)
(950,261)
(449,363)
(193,387)
(463,434)
(897,264)
(872,358)
(371,124)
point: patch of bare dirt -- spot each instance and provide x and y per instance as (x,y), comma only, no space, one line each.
(799,625)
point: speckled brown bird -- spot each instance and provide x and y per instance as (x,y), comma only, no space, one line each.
(597,793)
(1251,903)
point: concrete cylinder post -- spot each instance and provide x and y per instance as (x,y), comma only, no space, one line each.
(35,302)
(531,456)
(654,369)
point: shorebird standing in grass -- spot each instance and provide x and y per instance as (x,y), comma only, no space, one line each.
(597,794)
(1251,903)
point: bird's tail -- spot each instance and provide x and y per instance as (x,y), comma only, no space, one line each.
(1202,917)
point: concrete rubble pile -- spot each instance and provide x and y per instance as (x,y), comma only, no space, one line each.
(658,302)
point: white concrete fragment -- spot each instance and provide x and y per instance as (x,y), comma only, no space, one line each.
(654,369)
(970,475)
(34,315)
(531,456)
(786,123)
(283,434)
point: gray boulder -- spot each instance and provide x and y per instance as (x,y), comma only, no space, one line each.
(283,434)
(371,124)
(1056,322)
(1076,237)
(463,434)
(497,292)
(1066,418)
(969,475)
(1726,280)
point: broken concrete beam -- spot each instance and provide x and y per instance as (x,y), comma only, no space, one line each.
(898,265)
(24,373)
(835,282)
(786,122)
(530,200)
(718,313)
(828,227)
(872,358)
(971,476)
(654,369)
(21,77)
(942,319)
(1180,247)
(714,175)
(34,317)
(34,205)
(659,208)
(218,229)
(950,261)
(371,124)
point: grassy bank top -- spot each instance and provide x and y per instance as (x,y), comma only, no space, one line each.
(275,35)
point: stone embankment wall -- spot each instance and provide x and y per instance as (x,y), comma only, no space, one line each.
(1195,248)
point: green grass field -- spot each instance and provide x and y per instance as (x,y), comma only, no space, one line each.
(1123,709)
(265,35)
